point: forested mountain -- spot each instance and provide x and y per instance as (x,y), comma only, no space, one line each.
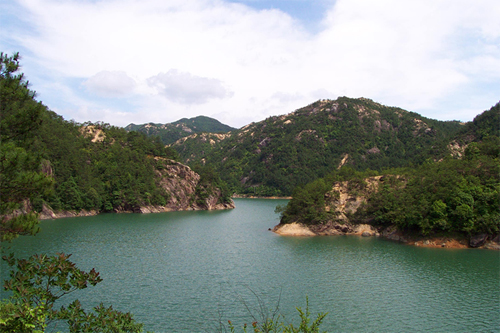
(171,132)
(271,157)
(70,166)
(450,196)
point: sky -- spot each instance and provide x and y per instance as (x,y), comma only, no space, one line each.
(241,61)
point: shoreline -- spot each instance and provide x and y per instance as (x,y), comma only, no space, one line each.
(49,214)
(243,196)
(364,230)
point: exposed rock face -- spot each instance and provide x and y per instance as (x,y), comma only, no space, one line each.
(95,133)
(48,214)
(327,229)
(344,201)
(456,149)
(478,240)
(293,229)
(179,181)
(393,234)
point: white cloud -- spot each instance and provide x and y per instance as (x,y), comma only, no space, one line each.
(110,84)
(186,88)
(419,55)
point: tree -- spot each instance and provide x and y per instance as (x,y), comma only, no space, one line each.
(38,282)
(21,178)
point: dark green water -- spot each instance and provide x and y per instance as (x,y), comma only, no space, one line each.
(183,271)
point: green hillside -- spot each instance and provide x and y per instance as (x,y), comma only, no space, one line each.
(171,132)
(452,195)
(272,157)
(67,166)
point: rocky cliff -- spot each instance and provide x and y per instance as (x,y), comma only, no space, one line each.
(346,197)
(184,191)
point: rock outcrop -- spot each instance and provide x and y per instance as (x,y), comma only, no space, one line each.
(185,192)
(346,198)
(478,240)
(48,214)
(327,229)
(182,184)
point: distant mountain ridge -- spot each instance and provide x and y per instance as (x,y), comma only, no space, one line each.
(171,132)
(273,156)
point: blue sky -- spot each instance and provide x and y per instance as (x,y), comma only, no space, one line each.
(138,61)
(310,13)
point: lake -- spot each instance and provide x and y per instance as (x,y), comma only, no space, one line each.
(188,271)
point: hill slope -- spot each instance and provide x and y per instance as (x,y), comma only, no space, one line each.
(482,128)
(48,162)
(456,197)
(171,132)
(273,156)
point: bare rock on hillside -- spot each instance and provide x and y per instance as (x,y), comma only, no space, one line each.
(345,198)
(182,183)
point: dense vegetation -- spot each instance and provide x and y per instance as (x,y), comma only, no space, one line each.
(272,157)
(92,166)
(116,172)
(447,196)
(38,282)
(21,176)
(171,132)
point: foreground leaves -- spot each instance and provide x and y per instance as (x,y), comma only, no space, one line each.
(38,282)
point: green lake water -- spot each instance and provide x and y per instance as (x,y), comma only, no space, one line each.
(188,271)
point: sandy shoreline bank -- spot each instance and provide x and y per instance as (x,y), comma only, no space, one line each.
(365,230)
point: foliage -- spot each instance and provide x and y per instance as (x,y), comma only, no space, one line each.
(460,196)
(447,196)
(27,176)
(276,323)
(20,113)
(116,173)
(484,125)
(91,166)
(274,156)
(450,196)
(21,177)
(307,204)
(210,182)
(38,282)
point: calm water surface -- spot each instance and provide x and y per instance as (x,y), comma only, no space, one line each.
(186,271)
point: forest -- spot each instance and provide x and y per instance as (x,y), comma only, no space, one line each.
(91,166)
(39,151)
(272,157)
(450,195)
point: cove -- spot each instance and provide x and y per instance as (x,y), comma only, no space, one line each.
(186,271)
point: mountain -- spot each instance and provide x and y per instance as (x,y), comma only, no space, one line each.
(49,164)
(272,157)
(104,168)
(451,197)
(171,132)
